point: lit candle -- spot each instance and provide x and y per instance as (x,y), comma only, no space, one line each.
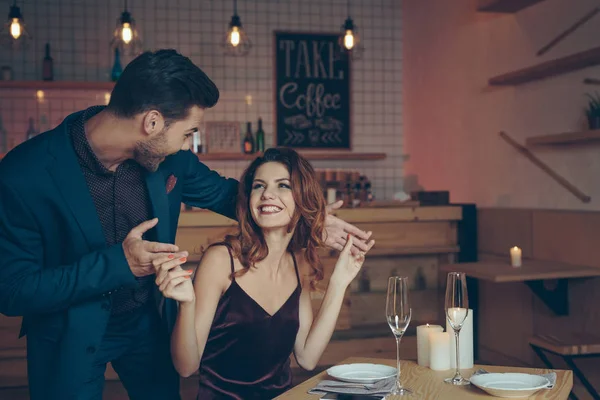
(465,343)
(515,256)
(423,332)
(439,351)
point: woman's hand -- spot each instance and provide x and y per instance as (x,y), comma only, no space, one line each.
(347,265)
(173,281)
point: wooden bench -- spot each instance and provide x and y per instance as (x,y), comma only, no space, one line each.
(581,345)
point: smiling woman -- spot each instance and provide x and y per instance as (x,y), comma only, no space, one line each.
(241,324)
(284,179)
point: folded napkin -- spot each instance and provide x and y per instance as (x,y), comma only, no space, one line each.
(383,386)
(551,377)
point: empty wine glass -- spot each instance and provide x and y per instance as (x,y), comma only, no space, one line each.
(398,314)
(457,308)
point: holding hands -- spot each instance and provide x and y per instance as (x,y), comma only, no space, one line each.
(173,281)
(347,265)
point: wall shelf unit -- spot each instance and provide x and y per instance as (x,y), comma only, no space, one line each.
(505,6)
(546,69)
(308,155)
(57,85)
(564,138)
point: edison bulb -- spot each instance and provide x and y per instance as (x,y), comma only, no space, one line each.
(127,34)
(15,28)
(235,36)
(349,40)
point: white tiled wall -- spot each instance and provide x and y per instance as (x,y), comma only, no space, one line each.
(79,32)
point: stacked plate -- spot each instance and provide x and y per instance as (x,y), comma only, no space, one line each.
(361,372)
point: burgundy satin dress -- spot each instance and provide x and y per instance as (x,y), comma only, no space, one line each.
(247,354)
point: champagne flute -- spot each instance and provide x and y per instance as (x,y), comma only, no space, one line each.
(457,308)
(398,314)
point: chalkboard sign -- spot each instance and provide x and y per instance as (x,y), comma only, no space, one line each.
(312,91)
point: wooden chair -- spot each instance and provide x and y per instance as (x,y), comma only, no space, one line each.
(581,345)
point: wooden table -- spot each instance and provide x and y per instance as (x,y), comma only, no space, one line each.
(533,273)
(498,270)
(427,384)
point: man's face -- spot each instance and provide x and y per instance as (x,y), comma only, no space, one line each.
(149,153)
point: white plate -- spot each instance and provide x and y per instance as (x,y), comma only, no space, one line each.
(361,373)
(509,385)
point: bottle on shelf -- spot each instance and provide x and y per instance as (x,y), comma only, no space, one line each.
(3,138)
(420,280)
(117,69)
(248,139)
(47,65)
(356,195)
(31,132)
(44,125)
(260,137)
(369,192)
(199,142)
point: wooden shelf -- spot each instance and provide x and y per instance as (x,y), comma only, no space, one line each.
(546,69)
(309,155)
(499,270)
(64,85)
(564,138)
(505,6)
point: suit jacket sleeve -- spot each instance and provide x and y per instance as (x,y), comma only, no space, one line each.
(205,188)
(27,286)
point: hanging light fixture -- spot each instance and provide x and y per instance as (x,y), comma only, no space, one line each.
(126,37)
(349,40)
(236,42)
(14,33)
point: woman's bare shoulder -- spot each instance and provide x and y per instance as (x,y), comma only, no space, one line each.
(216,262)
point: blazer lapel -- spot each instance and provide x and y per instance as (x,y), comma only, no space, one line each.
(69,180)
(160,205)
(157,192)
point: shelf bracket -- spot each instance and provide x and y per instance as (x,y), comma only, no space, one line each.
(531,157)
(556,299)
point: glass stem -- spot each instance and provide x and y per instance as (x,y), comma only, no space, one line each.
(398,384)
(457,354)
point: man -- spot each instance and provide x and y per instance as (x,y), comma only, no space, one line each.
(84,210)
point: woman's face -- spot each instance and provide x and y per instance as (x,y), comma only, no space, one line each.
(271,199)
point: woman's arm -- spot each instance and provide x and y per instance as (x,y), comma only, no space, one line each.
(195,317)
(313,336)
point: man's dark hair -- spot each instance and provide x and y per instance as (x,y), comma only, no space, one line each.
(165,81)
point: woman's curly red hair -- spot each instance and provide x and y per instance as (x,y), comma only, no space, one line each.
(308,221)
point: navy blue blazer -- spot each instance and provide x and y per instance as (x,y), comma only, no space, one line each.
(56,269)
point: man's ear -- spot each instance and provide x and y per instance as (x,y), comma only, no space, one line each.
(152,122)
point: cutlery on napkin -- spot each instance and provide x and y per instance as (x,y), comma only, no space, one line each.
(551,377)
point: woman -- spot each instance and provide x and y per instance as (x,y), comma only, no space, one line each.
(249,306)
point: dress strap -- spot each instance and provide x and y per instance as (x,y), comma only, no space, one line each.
(230,256)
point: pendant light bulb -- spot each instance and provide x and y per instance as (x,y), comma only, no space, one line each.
(127,34)
(235,36)
(126,37)
(14,33)
(15,28)
(236,42)
(349,40)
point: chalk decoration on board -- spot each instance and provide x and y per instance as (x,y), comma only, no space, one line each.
(293,137)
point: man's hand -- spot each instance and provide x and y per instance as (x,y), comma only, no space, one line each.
(141,253)
(336,233)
